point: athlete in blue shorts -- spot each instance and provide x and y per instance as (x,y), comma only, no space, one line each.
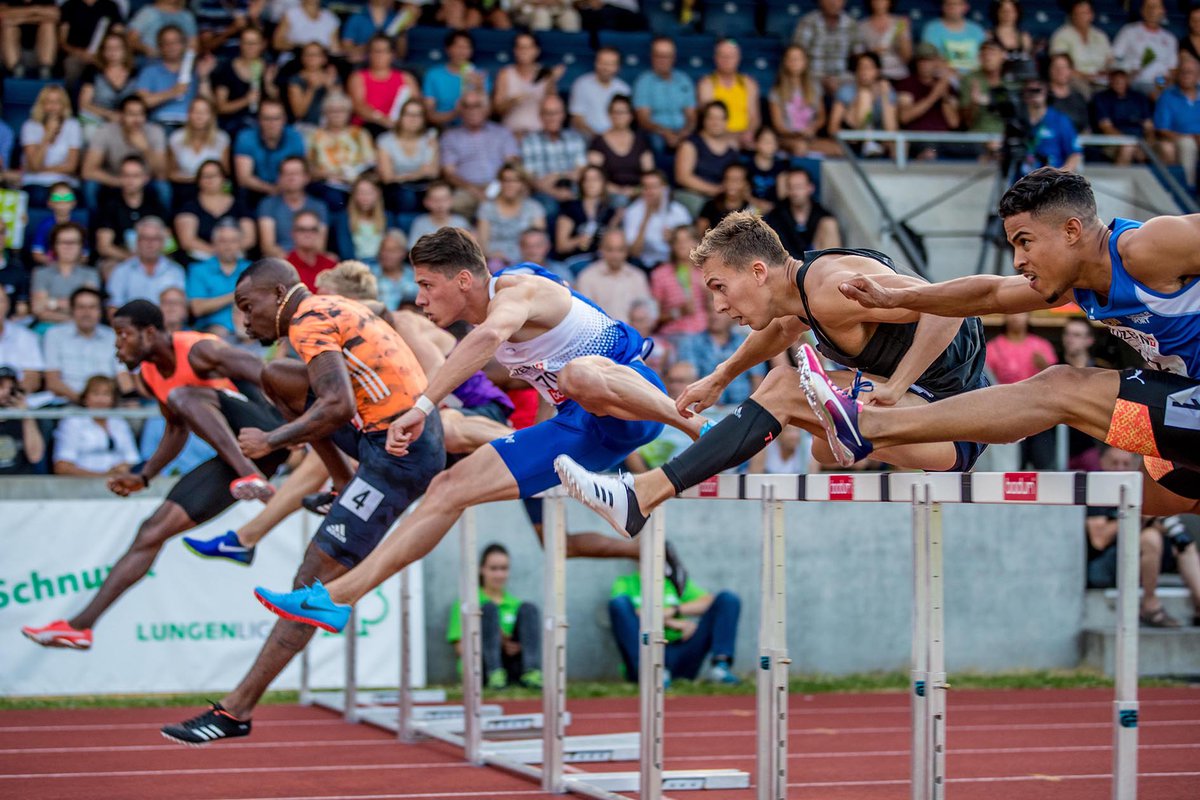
(586,364)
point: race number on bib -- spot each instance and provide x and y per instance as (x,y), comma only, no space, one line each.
(361,498)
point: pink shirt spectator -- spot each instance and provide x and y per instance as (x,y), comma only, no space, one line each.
(670,286)
(1012,361)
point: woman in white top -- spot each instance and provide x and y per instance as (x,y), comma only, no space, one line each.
(408,158)
(366,222)
(199,140)
(305,23)
(501,221)
(95,447)
(889,36)
(521,86)
(50,143)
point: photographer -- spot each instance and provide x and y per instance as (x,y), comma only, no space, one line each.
(1035,135)
(22,446)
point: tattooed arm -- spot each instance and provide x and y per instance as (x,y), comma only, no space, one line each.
(334,405)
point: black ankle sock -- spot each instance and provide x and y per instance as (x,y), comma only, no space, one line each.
(731,441)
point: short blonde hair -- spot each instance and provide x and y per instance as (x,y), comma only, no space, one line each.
(38,112)
(740,239)
(352,279)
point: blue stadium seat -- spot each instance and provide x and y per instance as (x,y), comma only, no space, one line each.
(663,18)
(19,97)
(782,15)
(572,50)
(493,45)
(730,18)
(695,54)
(425,43)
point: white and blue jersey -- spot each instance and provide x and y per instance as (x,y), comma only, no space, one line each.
(598,443)
(1163,328)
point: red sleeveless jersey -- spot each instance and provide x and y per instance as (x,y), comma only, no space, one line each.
(183,375)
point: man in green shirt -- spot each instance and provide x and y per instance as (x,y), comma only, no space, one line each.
(510,630)
(696,623)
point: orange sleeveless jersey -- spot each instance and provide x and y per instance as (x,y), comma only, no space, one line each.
(385,374)
(183,375)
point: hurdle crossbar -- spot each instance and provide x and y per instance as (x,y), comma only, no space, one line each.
(926,493)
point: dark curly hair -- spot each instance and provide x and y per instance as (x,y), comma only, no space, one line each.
(1047,190)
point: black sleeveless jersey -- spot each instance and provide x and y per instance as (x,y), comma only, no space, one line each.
(958,368)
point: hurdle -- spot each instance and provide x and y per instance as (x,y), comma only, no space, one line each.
(925,492)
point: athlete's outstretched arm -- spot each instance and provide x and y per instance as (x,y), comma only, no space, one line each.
(210,356)
(962,297)
(759,346)
(333,407)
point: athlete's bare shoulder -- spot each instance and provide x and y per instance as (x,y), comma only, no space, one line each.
(543,303)
(827,273)
(1164,253)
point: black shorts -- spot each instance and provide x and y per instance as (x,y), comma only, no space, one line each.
(1157,414)
(203,493)
(965,453)
(493,410)
(383,486)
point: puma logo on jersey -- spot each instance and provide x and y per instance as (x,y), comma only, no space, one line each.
(1137,376)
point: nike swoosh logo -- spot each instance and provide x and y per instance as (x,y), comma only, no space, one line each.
(224,548)
(304,604)
(845,418)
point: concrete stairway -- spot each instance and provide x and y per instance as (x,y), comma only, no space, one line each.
(1160,651)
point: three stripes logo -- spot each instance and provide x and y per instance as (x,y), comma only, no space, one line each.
(602,494)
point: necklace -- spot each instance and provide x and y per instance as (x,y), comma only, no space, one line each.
(283,305)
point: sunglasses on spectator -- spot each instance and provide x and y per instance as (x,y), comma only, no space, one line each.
(62,197)
(307,229)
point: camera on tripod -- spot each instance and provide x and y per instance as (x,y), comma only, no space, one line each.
(1008,101)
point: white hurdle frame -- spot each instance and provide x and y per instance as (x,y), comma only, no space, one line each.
(926,492)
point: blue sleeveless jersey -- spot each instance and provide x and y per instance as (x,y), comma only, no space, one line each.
(1163,328)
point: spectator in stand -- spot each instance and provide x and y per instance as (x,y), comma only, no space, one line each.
(926,100)
(1087,45)
(696,625)
(307,254)
(306,89)
(613,282)
(510,629)
(219,21)
(106,82)
(408,158)
(1006,29)
(191,146)
(95,447)
(168,92)
(377,17)
(622,151)
(81,347)
(210,283)
(50,142)
(789,453)
(394,275)
(664,99)
(738,91)
(553,156)
(276,214)
(445,84)
(827,36)
(20,349)
(1121,110)
(523,85)
(716,343)
(1083,452)
(676,378)
(956,37)
(616,15)
(1155,555)
(364,223)
(643,318)
(439,204)
(677,285)
(734,196)
(593,91)
(260,152)
(1177,119)
(174,304)
(305,22)
(649,220)
(147,273)
(1063,93)
(80,21)
(1056,140)
(240,84)
(979,91)
(702,158)
(379,91)
(502,219)
(473,153)
(113,142)
(22,446)
(1147,49)
(802,223)
(581,221)
(54,284)
(1014,356)
(14,278)
(119,215)
(197,221)
(797,105)
(867,104)
(1190,43)
(7,139)
(765,165)
(887,35)
(463,14)
(63,206)
(534,245)
(149,22)
(338,152)
(544,15)
(29,25)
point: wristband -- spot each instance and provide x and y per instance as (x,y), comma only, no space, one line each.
(424,405)
(145,479)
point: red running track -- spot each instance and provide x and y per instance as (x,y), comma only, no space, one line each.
(1016,745)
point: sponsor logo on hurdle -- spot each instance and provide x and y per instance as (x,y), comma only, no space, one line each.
(1128,718)
(584,756)
(841,487)
(1021,487)
(710,487)
(919,688)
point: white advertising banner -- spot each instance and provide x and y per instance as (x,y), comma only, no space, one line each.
(192,625)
